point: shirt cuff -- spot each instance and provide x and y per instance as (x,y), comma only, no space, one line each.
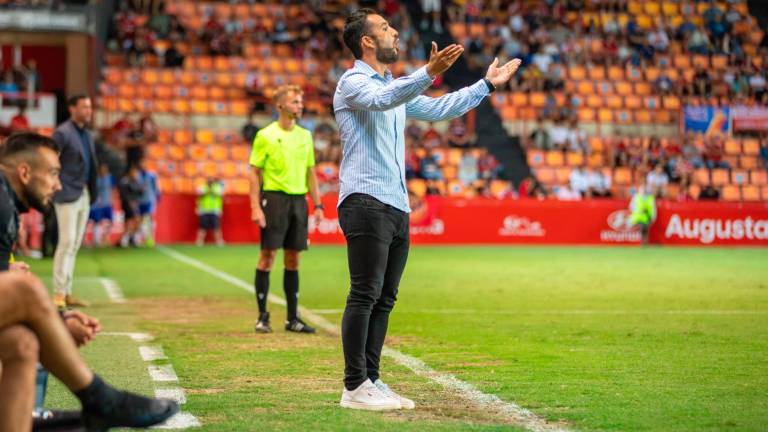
(422,77)
(479,88)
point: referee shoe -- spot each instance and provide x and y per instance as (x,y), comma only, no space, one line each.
(298,326)
(262,324)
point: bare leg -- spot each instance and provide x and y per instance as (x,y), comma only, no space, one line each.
(19,351)
(25,300)
(200,237)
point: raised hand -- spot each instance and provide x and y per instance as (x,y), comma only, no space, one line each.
(440,61)
(499,76)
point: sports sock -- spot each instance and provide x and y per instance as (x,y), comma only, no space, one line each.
(291,288)
(261,284)
(96,395)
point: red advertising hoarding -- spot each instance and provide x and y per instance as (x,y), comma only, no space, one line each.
(438,220)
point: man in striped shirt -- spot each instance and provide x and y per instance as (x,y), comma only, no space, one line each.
(371,110)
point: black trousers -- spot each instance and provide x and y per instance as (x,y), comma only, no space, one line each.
(377,250)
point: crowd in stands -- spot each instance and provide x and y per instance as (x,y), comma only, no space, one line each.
(661,43)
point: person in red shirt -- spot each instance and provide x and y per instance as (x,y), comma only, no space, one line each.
(20,122)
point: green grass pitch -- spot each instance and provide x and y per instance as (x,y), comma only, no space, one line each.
(598,338)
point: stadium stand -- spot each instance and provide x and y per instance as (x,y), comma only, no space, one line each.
(601,81)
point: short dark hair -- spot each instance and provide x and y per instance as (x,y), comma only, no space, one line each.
(74,99)
(355,28)
(22,142)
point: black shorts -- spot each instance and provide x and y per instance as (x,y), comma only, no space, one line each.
(209,221)
(287,221)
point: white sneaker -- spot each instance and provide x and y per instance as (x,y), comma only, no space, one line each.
(405,403)
(368,397)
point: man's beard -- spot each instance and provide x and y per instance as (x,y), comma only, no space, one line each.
(385,55)
(37,203)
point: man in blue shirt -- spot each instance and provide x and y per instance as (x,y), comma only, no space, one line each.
(371,110)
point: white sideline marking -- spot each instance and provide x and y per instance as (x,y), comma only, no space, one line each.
(113,290)
(513,413)
(181,420)
(151,353)
(562,312)
(174,393)
(162,373)
(138,337)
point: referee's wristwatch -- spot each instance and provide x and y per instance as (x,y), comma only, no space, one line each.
(319,206)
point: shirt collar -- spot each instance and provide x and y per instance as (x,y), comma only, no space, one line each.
(365,67)
(20,206)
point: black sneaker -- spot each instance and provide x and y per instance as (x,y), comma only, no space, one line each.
(262,324)
(129,410)
(298,326)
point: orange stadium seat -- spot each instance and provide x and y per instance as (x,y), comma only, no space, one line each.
(633,102)
(651,73)
(456,188)
(614,101)
(760,178)
(615,73)
(586,115)
(605,115)
(740,177)
(596,73)
(546,175)
(535,158)
(181,106)
(199,106)
(585,88)
(418,187)
(594,101)
(240,107)
(750,193)
(156,151)
(449,172)
(218,152)
(751,146)
(701,176)
(562,175)
(623,88)
(574,158)
(732,147)
(731,193)
(554,158)
(670,102)
(748,162)
(623,116)
(651,102)
(595,160)
(720,177)
(197,152)
(701,61)
(240,153)
(670,9)
(596,144)
(176,152)
(577,73)
(519,100)
(643,116)
(622,176)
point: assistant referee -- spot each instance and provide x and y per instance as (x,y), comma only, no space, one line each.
(283,158)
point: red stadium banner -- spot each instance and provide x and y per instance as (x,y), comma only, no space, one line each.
(749,118)
(437,220)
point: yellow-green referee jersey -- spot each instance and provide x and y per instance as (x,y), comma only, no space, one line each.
(283,156)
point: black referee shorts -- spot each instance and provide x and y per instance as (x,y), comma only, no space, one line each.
(287,221)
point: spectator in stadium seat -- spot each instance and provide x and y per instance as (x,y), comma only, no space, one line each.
(468,168)
(656,181)
(558,132)
(430,168)
(698,42)
(566,193)
(457,135)
(150,198)
(643,208)
(577,138)
(488,166)
(709,193)
(764,152)
(172,58)
(663,83)
(431,138)
(691,153)
(431,15)
(701,85)
(599,183)
(530,187)
(250,129)
(713,153)
(72,202)
(8,85)
(539,137)
(579,181)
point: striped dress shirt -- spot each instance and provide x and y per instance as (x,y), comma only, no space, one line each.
(371,110)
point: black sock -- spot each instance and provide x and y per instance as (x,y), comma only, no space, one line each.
(291,288)
(262,289)
(96,394)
